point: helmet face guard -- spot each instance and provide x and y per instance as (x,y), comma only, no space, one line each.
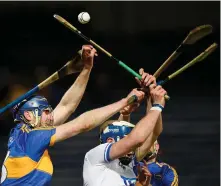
(153,152)
(125,160)
(117,130)
(35,104)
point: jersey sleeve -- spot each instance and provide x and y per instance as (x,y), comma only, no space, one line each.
(170,178)
(99,154)
(38,141)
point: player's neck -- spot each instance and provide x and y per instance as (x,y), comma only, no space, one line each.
(151,161)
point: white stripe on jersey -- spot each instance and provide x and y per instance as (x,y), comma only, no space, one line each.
(99,171)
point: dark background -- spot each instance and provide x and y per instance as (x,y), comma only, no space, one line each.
(142,34)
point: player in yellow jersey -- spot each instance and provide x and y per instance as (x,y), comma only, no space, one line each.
(38,127)
(27,161)
(162,173)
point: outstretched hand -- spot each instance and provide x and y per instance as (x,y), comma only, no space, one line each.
(88,53)
(146,80)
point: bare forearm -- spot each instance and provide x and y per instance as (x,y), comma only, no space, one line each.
(88,120)
(144,148)
(96,117)
(149,105)
(123,117)
(139,135)
(144,127)
(142,151)
(73,96)
(159,127)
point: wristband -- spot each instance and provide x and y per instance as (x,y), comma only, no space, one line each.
(157,107)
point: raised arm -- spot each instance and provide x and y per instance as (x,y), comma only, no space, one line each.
(125,113)
(143,128)
(141,152)
(93,118)
(73,96)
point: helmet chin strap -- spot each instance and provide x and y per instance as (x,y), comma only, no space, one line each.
(152,156)
(36,118)
(35,113)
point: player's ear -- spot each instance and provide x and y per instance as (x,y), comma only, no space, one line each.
(157,146)
(27,115)
(110,140)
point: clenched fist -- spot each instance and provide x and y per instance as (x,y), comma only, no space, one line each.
(88,53)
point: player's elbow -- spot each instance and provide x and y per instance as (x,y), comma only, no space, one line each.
(161,130)
(158,132)
(88,122)
(86,127)
(137,139)
(140,141)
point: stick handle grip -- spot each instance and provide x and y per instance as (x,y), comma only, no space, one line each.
(130,70)
(19,99)
(132,99)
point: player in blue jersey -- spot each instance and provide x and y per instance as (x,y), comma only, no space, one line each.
(38,127)
(112,162)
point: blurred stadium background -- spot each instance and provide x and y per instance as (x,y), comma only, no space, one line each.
(142,34)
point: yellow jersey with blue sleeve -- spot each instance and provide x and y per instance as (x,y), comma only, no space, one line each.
(27,162)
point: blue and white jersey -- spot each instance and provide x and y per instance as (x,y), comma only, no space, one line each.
(100,170)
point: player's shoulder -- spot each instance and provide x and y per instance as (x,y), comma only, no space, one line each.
(158,166)
(21,128)
(98,148)
(170,176)
(19,134)
(43,128)
(167,169)
(162,164)
(38,130)
(97,155)
(100,152)
(26,129)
